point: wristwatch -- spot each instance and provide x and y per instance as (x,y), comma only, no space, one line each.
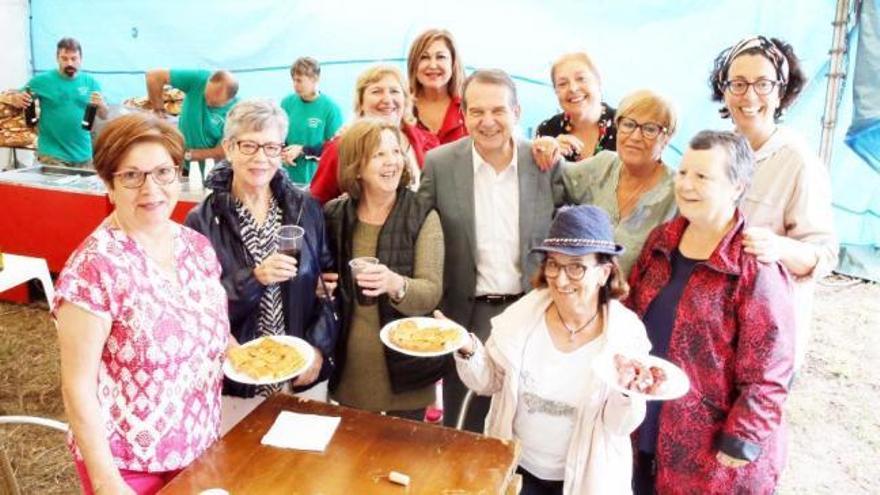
(399,295)
(187,155)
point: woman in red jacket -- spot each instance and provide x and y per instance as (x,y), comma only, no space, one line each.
(379,92)
(728,321)
(435,78)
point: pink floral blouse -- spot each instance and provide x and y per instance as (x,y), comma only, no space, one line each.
(160,375)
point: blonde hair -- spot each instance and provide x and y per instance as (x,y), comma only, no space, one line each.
(357,145)
(651,103)
(421,44)
(581,57)
(372,76)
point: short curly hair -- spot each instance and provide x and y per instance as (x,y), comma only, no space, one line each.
(788,92)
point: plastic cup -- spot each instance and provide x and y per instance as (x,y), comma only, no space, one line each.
(357,266)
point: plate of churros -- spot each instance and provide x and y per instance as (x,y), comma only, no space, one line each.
(268,360)
(423,336)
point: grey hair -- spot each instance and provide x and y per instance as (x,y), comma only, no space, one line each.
(740,157)
(252,115)
(490,76)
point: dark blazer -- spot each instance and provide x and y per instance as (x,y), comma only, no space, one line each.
(447,184)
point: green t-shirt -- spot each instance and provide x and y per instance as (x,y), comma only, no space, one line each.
(312,124)
(63,102)
(201,125)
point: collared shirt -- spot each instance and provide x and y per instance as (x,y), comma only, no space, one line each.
(496,219)
(594,181)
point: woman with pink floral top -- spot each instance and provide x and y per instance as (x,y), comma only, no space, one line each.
(142,322)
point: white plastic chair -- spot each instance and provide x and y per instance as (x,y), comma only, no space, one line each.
(8,485)
(19,269)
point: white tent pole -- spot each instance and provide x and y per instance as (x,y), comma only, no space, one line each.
(836,76)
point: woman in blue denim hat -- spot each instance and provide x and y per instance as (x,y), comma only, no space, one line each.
(537,364)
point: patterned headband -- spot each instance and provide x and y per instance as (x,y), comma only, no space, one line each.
(574,242)
(768,49)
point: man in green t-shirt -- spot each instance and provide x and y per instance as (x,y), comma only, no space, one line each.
(314,120)
(63,96)
(209,96)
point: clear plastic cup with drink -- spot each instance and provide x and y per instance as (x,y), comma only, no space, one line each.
(359,265)
(290,241)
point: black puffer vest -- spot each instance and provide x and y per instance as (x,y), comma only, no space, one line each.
(396,250)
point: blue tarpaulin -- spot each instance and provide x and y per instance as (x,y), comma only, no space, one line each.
(665,46)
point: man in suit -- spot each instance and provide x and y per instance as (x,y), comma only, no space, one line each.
(495,205)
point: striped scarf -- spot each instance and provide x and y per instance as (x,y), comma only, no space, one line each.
(260,240)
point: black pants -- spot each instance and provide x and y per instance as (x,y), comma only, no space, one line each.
(454,390)
(532,485)
(644,474)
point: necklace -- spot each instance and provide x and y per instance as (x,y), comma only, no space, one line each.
(571,333)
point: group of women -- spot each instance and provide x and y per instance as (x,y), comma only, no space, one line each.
(146,308)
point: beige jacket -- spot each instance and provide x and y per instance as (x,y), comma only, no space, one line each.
(599,457)
(791,196)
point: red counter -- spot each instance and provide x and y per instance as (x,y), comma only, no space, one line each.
(51,223)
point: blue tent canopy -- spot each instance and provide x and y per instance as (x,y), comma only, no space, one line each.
(665,46)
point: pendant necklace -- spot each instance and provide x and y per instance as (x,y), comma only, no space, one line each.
(571,332)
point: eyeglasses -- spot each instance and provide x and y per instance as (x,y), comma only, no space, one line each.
(762,86)
(251,147)
(574,271)
(133,179)
(650,130)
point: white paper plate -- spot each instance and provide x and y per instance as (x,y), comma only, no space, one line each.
(305,349)
(677,383)
(425,322)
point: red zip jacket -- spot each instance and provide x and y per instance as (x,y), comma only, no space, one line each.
(325,183)
(734,337)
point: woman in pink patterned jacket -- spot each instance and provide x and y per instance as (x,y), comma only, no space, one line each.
(142,322)
(728,321)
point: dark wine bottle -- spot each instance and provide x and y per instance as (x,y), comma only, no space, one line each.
(89,117)
(30,113)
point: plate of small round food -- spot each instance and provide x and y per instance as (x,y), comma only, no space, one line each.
(423,336)
(268,360)
(648,377)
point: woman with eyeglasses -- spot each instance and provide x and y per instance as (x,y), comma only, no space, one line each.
(538,364)
(141,404)
(788,206)
(269,293)
(633,185)
(727,320)
(379,92)
(586,124)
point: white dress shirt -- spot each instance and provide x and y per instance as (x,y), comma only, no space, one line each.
(496,219)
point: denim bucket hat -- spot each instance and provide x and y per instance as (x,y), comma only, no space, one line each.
(580,230)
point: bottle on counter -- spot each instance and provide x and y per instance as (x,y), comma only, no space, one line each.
(89,116)
(31,116)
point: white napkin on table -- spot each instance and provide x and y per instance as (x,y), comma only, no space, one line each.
(301,431)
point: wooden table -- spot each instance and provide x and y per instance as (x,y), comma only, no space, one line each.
(363,450)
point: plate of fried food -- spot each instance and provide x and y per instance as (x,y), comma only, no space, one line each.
(268,360)
(648,377)
(423,336)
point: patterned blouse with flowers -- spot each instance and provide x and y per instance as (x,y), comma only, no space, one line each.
(160,374)
(561,124)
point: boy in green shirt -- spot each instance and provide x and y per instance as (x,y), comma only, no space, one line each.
(209,96)
(314,120)
(63,97)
